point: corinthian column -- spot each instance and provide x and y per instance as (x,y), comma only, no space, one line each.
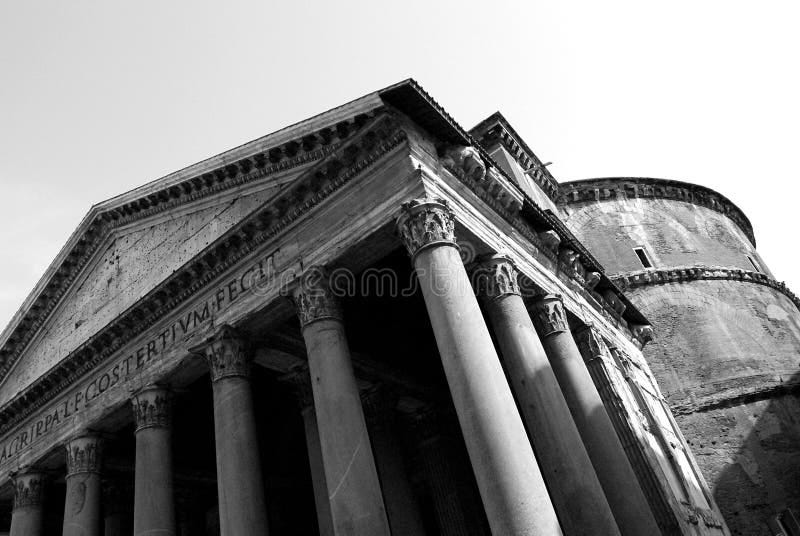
(354,491)
(84,487)
(27,517)
(153,503)
(242,508)
(511,486)
(573,484)
(619,482)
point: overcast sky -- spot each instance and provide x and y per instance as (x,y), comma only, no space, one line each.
(97,98)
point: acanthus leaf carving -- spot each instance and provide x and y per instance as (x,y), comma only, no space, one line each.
(549,316)
(84,455)
(226,355)
(426,222)
(152,408)
(314,299)
(494,277)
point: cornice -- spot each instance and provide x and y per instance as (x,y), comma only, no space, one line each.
(311,147)
(496,130)
(589,190)
(642,278)
(378,136)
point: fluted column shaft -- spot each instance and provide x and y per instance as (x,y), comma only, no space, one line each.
(82,505)
(354,490)
(240,486)
(573,484)
(27,516)
(616,475)
(508,477)
(153,503)
(401,505)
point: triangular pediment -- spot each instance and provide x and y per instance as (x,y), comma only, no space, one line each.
(125,247)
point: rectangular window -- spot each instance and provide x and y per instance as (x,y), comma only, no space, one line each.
(643,258)
(754,263)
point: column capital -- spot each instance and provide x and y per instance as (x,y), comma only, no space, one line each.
(495,277)
(426,222)
(84,454)
(152,407)
(548,315)
(299,379)
(28,489)
(226,354)
(590,343)
(314,300)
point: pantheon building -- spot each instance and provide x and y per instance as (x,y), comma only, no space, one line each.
(375,322)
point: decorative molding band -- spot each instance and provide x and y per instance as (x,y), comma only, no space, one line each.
(312,147)
(84,455)
(642,278)
(314,300)
(378,138)
(548,315)
(28,490)
(590,344)
(495,277)
(152,408)
(226,355)
(426,223)
(640,187)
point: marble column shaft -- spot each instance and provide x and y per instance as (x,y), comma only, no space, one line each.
(153,503)
(82,505)
(27,516)
(508,476)
(398,495)
(354,490)
(616,475)
(574,488)
(240,486)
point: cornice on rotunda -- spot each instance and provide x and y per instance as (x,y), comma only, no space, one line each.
(589,190)
(642,278)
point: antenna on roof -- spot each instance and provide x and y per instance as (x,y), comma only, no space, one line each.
(536,167)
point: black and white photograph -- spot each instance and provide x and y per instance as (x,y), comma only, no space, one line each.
(399,268)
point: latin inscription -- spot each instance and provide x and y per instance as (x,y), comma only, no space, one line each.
(257,275)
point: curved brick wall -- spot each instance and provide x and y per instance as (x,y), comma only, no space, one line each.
(674,233)
(726,351)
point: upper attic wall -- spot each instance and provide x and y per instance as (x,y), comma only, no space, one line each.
(674,230)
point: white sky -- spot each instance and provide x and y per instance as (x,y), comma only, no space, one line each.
(99,97)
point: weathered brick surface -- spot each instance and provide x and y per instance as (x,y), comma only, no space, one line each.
(674,233)
(749,454)
(726,353)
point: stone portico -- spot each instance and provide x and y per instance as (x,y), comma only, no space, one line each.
(361,324)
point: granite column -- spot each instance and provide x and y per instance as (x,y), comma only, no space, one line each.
(27,516)
(354,491)
(84,487)
(511,485)
(616,475)
(240,486)
(153,503)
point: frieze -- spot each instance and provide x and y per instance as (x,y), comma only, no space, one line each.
(84,455)
(28,490)
(311,147)
(141,357)
(631,280)
(152,408)
(314,300)
(639,187)
(379,136)
(226,355)
(495,277)
(548,315)
(425,223)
